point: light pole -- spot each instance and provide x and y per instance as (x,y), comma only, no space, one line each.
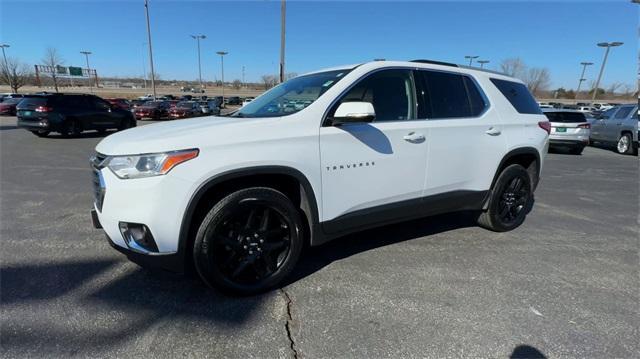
(243,76)
(482,62)
(6,63)
(86,56)
(283,12)
(608,45)
(153,75)
(222,53)
(584,68)
(198,37)
(471,58)
(144,68)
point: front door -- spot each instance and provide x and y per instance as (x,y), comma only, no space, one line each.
(370,169)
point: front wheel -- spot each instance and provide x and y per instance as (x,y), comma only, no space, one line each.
(249,241)
(624,145)
(511,198)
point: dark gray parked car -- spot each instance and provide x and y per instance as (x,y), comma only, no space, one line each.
(617,126)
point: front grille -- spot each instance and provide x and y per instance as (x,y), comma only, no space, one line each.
(97,164)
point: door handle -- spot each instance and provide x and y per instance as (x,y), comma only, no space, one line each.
(493,131)
(414,137)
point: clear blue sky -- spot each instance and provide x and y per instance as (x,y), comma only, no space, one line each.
(557,35)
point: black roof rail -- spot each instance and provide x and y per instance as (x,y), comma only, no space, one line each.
(433,62)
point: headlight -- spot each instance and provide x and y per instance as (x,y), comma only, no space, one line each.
(148,165)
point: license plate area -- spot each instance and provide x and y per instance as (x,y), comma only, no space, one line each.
(561,129)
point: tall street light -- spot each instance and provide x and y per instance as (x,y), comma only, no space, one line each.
(144,68)
(471,58)
(6,63)
(584,68)
(86,56)
(198,37)
(482,62)
(283,12)
(222,53)
(153,75)
(608,45)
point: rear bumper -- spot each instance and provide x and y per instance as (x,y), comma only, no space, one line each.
(568,142)
(37,124)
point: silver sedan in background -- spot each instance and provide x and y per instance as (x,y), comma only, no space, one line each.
(569,129)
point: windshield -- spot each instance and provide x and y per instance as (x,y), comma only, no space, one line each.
(291,96)
(154,104)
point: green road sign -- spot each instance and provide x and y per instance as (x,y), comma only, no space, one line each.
(75,71)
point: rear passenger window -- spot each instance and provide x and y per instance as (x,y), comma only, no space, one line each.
(518,95)
(623,112)
(449,95)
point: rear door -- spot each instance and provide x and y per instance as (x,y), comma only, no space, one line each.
(615,125)
(600,125)
(102,115)
(465,141)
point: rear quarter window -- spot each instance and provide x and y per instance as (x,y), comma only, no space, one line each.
(518,95)
(32,102)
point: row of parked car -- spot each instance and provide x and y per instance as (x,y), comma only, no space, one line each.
(616,126)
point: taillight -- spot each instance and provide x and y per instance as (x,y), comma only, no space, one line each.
(545,125)
(585,125)
(43,109)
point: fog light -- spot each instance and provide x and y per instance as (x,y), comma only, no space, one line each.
(138,237)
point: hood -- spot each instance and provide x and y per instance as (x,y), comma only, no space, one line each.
(184,134)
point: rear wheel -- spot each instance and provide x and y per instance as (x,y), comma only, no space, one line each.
(249,241)
(41,133)
(624,145)
(510,200)
(71,129)
(126,123)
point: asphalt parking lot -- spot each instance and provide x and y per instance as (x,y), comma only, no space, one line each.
(565,284)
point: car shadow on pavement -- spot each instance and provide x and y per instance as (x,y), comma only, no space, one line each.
(8,127)
(114,300)
(316,258)
(92,134)
(526,352)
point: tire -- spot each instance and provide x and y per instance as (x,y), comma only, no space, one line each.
(510,200)
(127,123)
(41,133)
(576,150)
(624,145)
(249,241)
(71,128)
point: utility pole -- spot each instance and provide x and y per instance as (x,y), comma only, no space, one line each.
(6,63)
(608,46)
(86,55)
(482,62)
(470,57)
(222,53)
(144,67)
(198,37)
(153,74)
(584,68)
(243,76)
(283,12)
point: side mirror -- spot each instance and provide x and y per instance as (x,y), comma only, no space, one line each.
(354,112)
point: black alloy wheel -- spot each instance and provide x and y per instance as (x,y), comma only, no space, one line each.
(249,241)
(510,200)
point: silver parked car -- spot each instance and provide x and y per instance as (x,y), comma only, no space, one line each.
(618,126)
(569,129)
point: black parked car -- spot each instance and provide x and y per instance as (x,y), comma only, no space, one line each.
(70,114)
(233,100)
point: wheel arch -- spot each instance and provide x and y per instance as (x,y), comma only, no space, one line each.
(528,157)
(293,183)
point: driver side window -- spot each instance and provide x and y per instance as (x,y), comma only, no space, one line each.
(391,92)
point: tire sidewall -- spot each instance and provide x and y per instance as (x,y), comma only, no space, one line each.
(629,145)
(203,257)
(503,180)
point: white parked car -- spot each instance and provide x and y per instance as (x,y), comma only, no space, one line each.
(247,100)
(586,109)
(146,97)
(569,129)
(376,143)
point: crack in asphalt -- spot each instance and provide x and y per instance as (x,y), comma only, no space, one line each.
(288,323)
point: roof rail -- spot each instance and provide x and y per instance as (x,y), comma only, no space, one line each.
(433,62)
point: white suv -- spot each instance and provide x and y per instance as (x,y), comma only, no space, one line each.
(238,197)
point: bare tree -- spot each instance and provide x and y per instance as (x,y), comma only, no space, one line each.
(15,73)
(514,67)
(537,79)
(269,81)
(236,84)
(52,58)
(614,87)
